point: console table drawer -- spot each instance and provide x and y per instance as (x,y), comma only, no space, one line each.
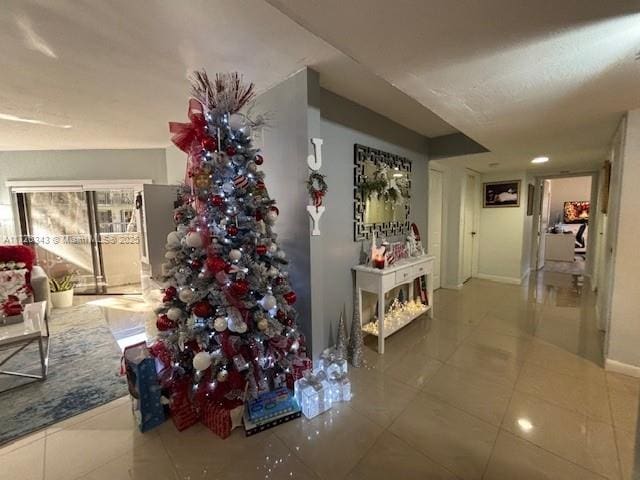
(420,269)
(404,275)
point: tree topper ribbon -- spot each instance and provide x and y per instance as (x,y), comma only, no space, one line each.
(187,136)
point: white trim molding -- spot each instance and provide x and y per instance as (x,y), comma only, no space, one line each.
(623,368)
(500,279)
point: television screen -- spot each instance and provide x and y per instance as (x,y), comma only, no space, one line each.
(576,212)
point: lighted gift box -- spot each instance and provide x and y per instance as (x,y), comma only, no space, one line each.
(332,366)
(340,388)
(314,394)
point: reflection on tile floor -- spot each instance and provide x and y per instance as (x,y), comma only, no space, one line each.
(505,382)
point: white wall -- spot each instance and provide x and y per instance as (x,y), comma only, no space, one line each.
(567,190)
(505,235)
(624,332)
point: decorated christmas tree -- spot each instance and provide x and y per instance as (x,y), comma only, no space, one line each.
(227,324)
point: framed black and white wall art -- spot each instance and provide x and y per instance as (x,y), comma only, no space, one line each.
(502,194)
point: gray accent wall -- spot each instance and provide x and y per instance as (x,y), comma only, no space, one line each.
(344,123)
(285,149)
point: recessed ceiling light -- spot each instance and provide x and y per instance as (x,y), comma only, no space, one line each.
(540,160)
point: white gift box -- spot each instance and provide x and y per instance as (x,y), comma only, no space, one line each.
(332,364)
(313,393)
(340,389)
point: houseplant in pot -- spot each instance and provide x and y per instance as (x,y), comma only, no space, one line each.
(62,290)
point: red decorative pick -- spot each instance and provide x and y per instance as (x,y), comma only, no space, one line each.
(232,230)
(280,315)
(261,249)
(196,264)
(239,288)
(231,150)
(258,159)
(290,297)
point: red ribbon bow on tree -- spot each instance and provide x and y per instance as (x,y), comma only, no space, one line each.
(187,136)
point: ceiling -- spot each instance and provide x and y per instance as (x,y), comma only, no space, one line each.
(521,78)
(111,74)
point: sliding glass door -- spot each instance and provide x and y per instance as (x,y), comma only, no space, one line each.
(91,233)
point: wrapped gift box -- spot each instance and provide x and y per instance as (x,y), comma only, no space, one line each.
(299,368)
(222,419)
(183,411)
(313,393)
(271,404)
(340,388)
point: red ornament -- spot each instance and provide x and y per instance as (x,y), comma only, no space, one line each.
(196,264)
(239,288)
(202,309)
(231,150)
(279,281)
(217,201)
(240,181)
(260,185)
(290,297)
(232,230)
(209,143)
(274,209)
(280,315)
(164,323)
(215,264)
(258,216)
(169,294)
(261,249)
(227,267)
(258,159)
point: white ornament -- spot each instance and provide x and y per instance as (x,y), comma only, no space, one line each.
(268,302)
(252,167)
(281,255)
(173,239)
(186,295)
(273,248)
(170,254)
(235,254)
(222,376)
(174,313)
(182,230)
(272,216)
(194,240)
(315,213)
(263,324)
(201,361)
(220,324)
(273,272)
(227,187)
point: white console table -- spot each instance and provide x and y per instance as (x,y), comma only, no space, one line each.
(380,281)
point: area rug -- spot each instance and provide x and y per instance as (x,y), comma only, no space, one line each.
(84,373)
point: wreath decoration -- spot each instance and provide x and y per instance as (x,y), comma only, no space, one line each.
(317,188)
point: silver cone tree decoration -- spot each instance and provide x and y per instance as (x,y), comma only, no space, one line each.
(355,339)
(341,341)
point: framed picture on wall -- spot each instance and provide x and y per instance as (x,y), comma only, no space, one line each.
(502,194)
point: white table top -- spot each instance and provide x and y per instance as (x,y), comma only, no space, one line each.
(33,325)
(405,262)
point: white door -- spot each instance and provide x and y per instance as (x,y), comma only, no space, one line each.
(469,227)
(545,201)
(435,223)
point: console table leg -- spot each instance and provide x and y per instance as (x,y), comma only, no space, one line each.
(381,323)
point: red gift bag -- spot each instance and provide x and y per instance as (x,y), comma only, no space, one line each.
(221,419)
(183,411)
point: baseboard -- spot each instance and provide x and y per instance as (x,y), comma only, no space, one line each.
(452,287)
(623,368)
(500,279)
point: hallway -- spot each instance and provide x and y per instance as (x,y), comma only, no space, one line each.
(504,383)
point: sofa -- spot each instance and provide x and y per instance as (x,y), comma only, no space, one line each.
(36,277)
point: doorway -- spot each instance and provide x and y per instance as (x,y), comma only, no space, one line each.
(470,208)
(563,224)
(435,223)
(91,233)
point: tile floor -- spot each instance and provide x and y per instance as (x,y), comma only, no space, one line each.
(504,383)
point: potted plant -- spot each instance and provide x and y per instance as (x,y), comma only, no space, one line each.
(62,290)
